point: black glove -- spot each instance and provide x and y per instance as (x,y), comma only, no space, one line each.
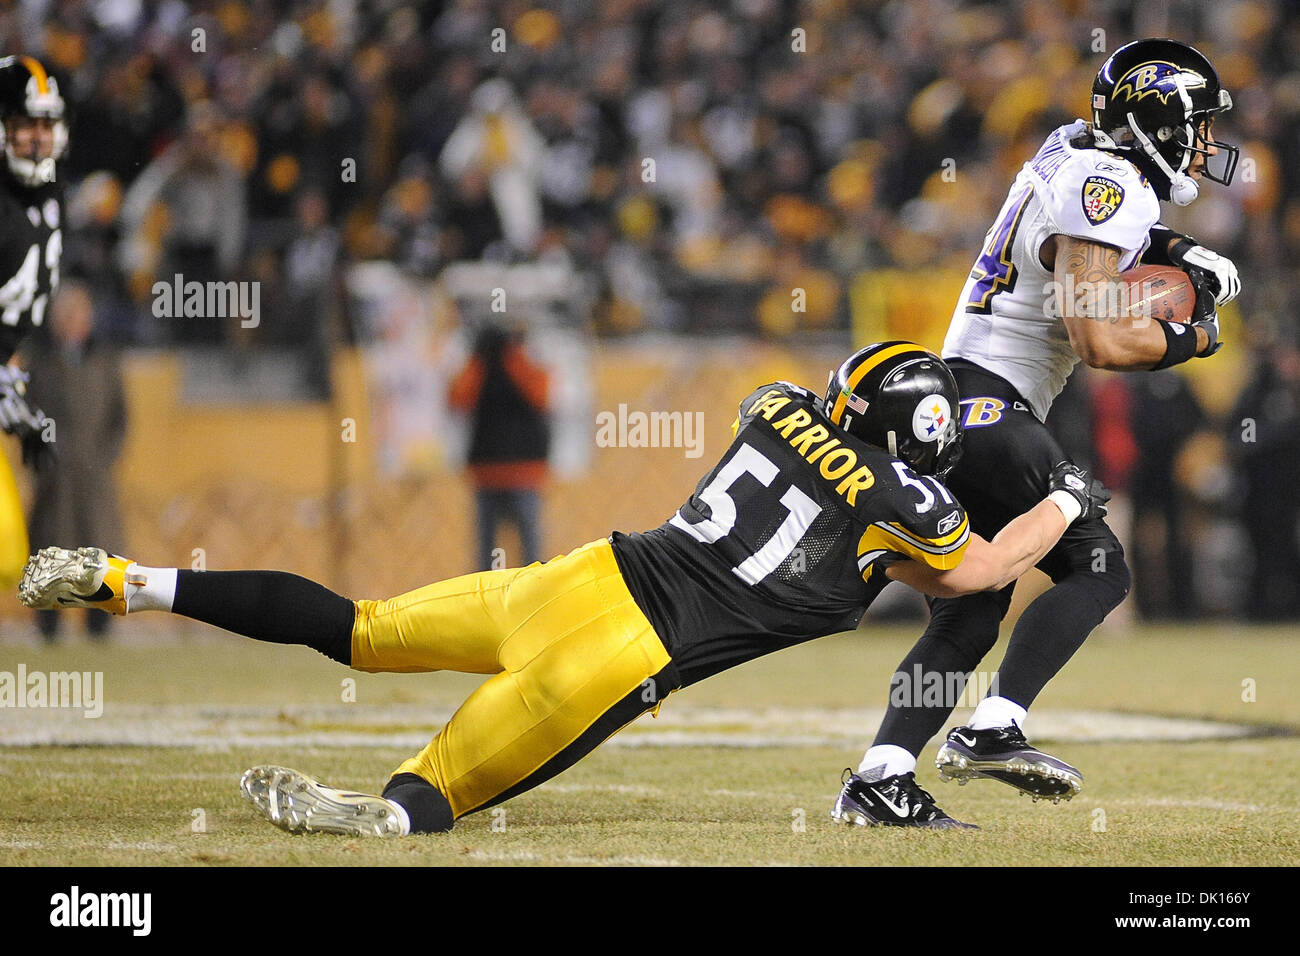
(1082,487)
(1205,313)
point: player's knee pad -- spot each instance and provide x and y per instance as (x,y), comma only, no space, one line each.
(1112,585)
(1104,575)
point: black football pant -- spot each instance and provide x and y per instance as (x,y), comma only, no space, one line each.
(1007,457)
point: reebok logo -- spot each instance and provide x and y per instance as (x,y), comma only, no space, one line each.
(949,522)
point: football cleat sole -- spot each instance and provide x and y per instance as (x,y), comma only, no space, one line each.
(295,802)
(86,577)
(1036,778)
(856,818)
(853,818)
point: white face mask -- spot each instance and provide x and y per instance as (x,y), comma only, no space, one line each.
(31,172)
(48,104)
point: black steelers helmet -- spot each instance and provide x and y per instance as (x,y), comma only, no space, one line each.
(900,397)
(27,90)
(1148,100)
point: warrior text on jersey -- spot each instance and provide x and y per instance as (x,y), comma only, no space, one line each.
(786,539)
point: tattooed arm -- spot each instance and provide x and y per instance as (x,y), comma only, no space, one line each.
(1086,290)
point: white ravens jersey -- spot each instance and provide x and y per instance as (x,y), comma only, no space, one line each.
(1007,320)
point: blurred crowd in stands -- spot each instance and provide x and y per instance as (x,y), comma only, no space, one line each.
(691,162)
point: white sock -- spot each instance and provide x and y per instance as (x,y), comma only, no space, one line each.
(885,760)
(149,589)
(403,818)
(997,712)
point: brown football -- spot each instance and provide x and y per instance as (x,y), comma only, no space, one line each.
(1159,292)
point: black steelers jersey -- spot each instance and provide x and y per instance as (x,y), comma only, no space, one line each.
(30,248)
(786,539)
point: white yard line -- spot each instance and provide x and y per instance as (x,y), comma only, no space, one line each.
(143,845)
(409,727)
(529,856)
(1226,806)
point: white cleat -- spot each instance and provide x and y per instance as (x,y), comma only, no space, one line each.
(86,577)
(295,802)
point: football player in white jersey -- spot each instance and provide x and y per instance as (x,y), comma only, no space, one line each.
(1082,211)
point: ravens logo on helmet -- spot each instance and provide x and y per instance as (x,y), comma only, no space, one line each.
(1155,100)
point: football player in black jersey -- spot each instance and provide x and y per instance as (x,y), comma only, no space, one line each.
(814,508)
(34,135)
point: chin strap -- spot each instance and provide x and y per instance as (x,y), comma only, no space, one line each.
(1183,189)
(30,172)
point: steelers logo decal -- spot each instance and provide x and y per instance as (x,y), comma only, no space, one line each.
(1101,198)
(931,418)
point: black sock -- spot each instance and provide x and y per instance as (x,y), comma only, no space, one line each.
(961,631)
(269,606)
(428,809)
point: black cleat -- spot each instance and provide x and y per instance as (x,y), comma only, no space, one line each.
(1002,753)
(895,801)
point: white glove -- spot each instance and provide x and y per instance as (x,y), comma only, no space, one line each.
(13,377)
(16,416)
(1221,267)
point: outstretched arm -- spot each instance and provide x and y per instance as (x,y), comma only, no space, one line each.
(992,565)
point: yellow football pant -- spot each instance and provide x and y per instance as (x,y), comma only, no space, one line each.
(564,639)
(13,529)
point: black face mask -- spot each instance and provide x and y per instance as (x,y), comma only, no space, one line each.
(1226,160)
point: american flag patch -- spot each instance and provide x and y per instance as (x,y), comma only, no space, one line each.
(857,403)
(1098,101)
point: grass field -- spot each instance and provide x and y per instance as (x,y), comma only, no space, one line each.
(739,770)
